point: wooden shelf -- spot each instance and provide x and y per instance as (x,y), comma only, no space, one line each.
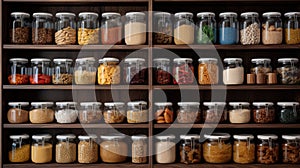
(32,165)
(77,87)
(222,87)
(230,165)
(73,47)
(258,126)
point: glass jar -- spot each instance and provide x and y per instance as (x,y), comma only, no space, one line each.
(135,71)
(19,150)
(287,70)
(215,112)
(85,71)
(190,149)
(228,28)
(291,149)
(289,112)
(249,28)
(137,112)
(20,26)
(18,112)
(163,28)
(135,28)
(263,112)
(66,112)
(108,71)
(272,28)
(65,149)
(165,149)
(41,112)
(40,71)
(87,149)
(267,149)
(42,28)
(184,28)
(239,113)
(18,74)
(244,149)
(164,112)
(88,28)
(65,26)
(90,112)
(139,149)
(188,112)
(41,148)
(183,71)
(292,28)
(162,73)
(113,149)
(206,29)
(208,71)
(233,73)
(261,67)
(114,112)
(217,148)
(111,28)
(62,72)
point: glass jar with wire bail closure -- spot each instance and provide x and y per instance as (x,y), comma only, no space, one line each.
(184,28)
(267,149)
(208,71)
(88,149)
(42,28)
(188,112)
(272,31)
(65,148)
(214,112)
(290,148)
(20,26)
(85,71)
(62,73)
(135,71)
(162,71)
(239,112)
(163,28)
(111,28)
(19,148)
(249,28)
(135,28)
(206,28)
(66,112)
(114,112)
(139,149)
(190,149)
(108,71)
(18,112)
(263,112)
(288,112)
(228,28)
(88,28)
(292,28)
(165,149)
(18,72)
(41,148)
(288,71)
(183,71)
(41,112)
(137,112)
(40,71)
(65,25)
(244,149)
(90,112)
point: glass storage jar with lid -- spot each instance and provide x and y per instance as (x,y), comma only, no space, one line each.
(87,149)
(42,28)
(292,28)
(162,72)
(108,71)
(263,112)
(135,28)
(41,112)
(206,29)
(261,66)
(40,71)
(90,112)
(165,149)
(287,70)
(111,28)
(228,28)
(88,28)
(137,112)
(291,149)
(113,148)
(19,150)
(66,112)
(85,71)
(289,112)
(240,112)
(208,71)
(233,73)
(190,149)
(62,73)
(163,28)
(65,149)
(135,71)
(188,112)
(183,71)
(184,28)
(65,28)
(164,112)
(215,112)
(139,149)
(272,28)
(41,148)
(244,149)
(249,28)
(18,112)
(267,149)
(114,112)
(20,26)
(18,74)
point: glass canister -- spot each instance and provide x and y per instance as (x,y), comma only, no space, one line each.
(42,28)
(65,149)
(183,71)
(114,112)
(228,28)
(66,112)
(164,112)
(111,28)
(135,28)
(165,149)
(291,149)
(40,71)
(109,71)
(206,29)
(139,149)
(272,28)
(135,71)
(41,148)
(289,112)
(65,26)
(113,149)
(41,112)
(188,112)
(261,67)
(239,112)
(162,72)
(137,112)
(88,28)
(62,73)
(190,149)
(208,71)
(163,28)
(20,26)
(249,28)
(90,112)
(288,72)
(215,112)
(18,73)
(184,28)
(217,148)
(292,28)
(243,149)
(85,71)
(263,112)
(267,149)
(18,112)
(87,149)
(19,150)
(233,73)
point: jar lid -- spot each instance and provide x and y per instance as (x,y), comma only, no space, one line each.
(271,14)
(249,14)
(65,136)
(111,104)
(214,103)
(87,137)
(292,14)
(243,137)
(190,136)
(66,103)
(165,137)
(161,60)
(127,60)
(233,60)
(41,136)
(291,137)
(208,60)
(233,14)
(88,13)
(183,13)
(136,103)
(40,60)
(48,104)
(18,60)
(107,14)
(58,60)
(87,59)
(112,136)
(163,103)
(188,104)
(287,103)
(284,60)
(139,137)
(108,59)
(178,60)
(267,136)
(60,14)
(42,14)
(239,103)
(201,14)
(24,136)
(162,13)
(261,60)
(135,13)
(20,13)
(90,103)
(18,103)
(262,103)
(216,136)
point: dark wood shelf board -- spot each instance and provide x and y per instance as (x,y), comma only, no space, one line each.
(257,126)
(32,165)
(229,165)
(73,47)
(222,87)
(60,126)
(77,87)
